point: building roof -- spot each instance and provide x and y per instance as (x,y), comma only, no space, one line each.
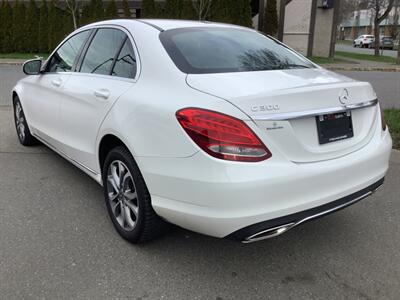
(365,22)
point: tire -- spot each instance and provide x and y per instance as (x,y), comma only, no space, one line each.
(129,203)
(21,125)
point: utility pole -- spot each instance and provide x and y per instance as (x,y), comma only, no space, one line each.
(313,15)
(261,10)
(281,21)
(336,9)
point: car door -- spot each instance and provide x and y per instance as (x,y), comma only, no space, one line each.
(47,91)
(108,69)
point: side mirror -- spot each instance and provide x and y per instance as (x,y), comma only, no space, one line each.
(32,67)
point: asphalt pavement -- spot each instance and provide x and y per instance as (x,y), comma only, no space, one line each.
(57,242)
(386,84)
(350,48)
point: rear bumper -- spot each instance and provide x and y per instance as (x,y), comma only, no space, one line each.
(278,226)
(220,198)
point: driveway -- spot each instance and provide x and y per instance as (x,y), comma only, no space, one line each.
(56,242)
(350,48)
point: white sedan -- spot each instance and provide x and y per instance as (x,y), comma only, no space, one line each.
(215,128)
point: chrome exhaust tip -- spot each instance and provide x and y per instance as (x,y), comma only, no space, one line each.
(269,233)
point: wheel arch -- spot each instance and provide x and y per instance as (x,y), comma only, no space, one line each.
(107,143)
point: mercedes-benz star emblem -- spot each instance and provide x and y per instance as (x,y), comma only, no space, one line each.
(344,96)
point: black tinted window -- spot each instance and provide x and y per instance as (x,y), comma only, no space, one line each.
(63,59)
(218,50)
(102,51)
(125,66)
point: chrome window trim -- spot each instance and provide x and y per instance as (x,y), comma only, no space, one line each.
(315,112)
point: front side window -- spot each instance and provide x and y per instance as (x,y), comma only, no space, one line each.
(63,59)
(200,50)
(101,53)
(125,65)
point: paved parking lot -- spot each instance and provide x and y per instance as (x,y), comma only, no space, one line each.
(56,242)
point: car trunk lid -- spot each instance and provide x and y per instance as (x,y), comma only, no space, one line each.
(274,100)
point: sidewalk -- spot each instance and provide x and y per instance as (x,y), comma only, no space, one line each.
(360,65)
(8,61)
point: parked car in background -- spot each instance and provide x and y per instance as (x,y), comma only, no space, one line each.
(213,127)
(363,41)
(386,42)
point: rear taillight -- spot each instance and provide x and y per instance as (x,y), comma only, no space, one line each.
(383,119)
(222,136)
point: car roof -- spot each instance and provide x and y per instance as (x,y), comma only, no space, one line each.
(165,24)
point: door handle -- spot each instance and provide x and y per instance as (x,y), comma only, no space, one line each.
(56,82)
(102,93)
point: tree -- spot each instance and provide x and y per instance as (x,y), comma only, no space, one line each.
(187,11)
(270,24)
(72,7)
(220,11)
(202,8)
(380,9)
(7,28)
(18,25)
(31,27)
(173,9)
(243,13)
(111,10)
(149,9)
(85,15)
(43,32)
(96,10)
(55,25)
(1,24)
(127,9)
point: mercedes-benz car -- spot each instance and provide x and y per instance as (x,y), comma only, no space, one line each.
(216,128)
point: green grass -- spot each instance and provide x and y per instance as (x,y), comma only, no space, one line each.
(362,56)
(326,60)
(392,117)
(345,42)
(22,55)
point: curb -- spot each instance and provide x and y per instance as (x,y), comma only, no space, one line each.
(11,63)
(362,69)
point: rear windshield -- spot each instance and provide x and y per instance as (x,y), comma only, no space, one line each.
(203,50)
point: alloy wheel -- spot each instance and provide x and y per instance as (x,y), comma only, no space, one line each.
(122,195)
(20,121)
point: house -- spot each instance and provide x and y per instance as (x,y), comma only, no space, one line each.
(362,22)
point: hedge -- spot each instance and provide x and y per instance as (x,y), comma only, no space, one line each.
(38,26)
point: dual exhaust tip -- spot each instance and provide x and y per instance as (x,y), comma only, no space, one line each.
(278,230)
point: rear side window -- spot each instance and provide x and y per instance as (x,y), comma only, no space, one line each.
(100,56)
(64,58)
(125,65)
(200,50)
